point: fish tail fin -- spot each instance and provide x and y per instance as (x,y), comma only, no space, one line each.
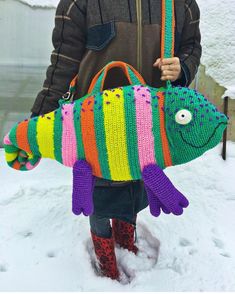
(17,151)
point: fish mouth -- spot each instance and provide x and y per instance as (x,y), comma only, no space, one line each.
(207,142)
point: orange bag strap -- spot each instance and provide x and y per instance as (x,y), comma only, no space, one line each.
(130,72)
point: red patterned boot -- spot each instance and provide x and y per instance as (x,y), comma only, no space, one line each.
(123,233)
(104,250)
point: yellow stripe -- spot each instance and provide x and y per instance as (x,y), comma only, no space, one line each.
(115,132)
(10,156)
(45,135)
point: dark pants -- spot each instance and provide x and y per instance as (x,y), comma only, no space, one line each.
(116,200)
(100,225)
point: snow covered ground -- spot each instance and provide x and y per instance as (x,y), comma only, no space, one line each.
(44,247)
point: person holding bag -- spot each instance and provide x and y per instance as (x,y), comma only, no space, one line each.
(88,35)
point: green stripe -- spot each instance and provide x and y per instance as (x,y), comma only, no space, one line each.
(10,163)
(12,135)
(131,132)
(23,168)
(97,87)
(34,160)
(78,129)
(58,129)
(100,137)
(135,80)
(168,29)
(32,136)
(10,148)
(156,129)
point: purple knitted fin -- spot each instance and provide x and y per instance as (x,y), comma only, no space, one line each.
(161,192)
(83,186)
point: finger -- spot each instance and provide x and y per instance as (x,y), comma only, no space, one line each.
(156,209)
(76,210)
(171,78)
(171,67)
(164,209)
(168,73)
(174,60)
(184,202)
(177,210)
(157,63)
(154,203)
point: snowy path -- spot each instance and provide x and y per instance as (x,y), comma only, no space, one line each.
(44,247)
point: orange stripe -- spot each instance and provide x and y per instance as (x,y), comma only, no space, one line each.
(88,135)
(74,81)
(173,29)
(163,29)
(22,136)
(16,165)
(165,145)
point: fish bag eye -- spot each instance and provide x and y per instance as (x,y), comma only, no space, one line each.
(183,117)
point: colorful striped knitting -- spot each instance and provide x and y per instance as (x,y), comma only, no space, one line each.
(119,131)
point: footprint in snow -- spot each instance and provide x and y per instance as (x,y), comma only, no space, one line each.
(184,242)
(51,254)
(26,233)
(220,245)
(129,264)
(3,268)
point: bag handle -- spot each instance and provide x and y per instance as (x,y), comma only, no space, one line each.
(132,75)
(97,83)
(168,30)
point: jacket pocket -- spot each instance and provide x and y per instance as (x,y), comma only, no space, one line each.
(98,36)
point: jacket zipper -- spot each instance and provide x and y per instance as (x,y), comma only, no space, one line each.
(139,34)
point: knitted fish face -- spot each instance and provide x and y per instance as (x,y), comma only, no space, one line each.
(193,124)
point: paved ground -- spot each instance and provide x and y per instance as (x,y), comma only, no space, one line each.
(19,87)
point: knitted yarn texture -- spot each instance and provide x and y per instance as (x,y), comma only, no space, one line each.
(119,131)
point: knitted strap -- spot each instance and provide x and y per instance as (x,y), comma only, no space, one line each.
(132,75)
(168,29)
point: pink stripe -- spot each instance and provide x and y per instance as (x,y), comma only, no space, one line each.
(69,143)
(29,166)
(144,126)
(6,140)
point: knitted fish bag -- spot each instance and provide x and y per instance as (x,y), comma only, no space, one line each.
(122,134)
